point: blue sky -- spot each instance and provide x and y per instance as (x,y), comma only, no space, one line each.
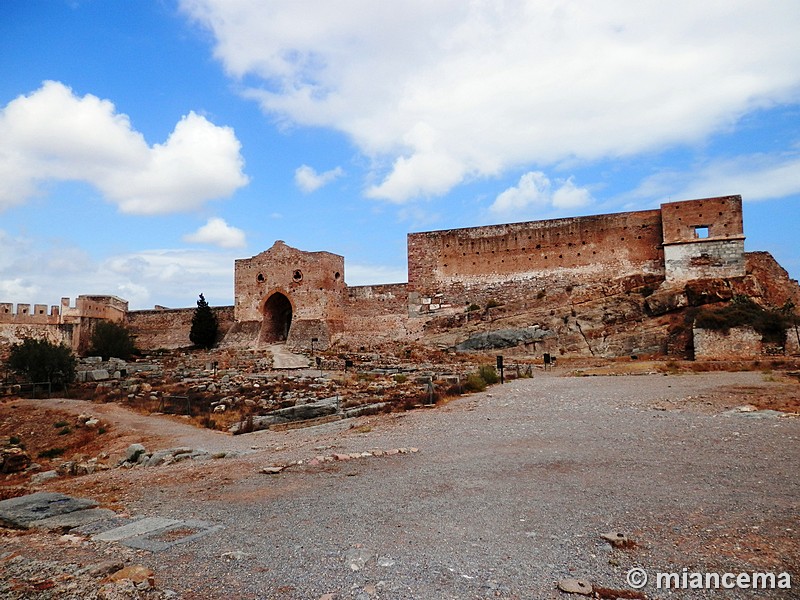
(144,145)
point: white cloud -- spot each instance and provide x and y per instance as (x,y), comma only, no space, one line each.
(754,177)
(32,273)
(54,135)
(536,191)
(440,92)
(308,180)
(217,232)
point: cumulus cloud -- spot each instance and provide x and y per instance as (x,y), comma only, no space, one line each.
(308,180)
(441,92)
(536,191)
(218,233)
(54,135)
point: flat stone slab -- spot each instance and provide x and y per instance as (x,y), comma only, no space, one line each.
(180,533)
(95,527)
(137,528)
(74,519)
(20,512)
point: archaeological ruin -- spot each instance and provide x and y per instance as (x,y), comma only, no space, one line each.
(605,285)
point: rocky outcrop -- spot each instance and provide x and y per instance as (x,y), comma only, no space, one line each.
(503,338)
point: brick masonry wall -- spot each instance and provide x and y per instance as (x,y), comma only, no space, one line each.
(793,341)
(722,216)
(312,282)
(449,269)
(170,328)
(376,314)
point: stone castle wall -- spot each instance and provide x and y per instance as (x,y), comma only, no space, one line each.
(169,328)
(376,313)
(450,269)
(588,279)
(735,344)
(703,238)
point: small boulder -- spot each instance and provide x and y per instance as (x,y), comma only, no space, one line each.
(134,452)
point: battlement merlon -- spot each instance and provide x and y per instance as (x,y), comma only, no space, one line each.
(40,313)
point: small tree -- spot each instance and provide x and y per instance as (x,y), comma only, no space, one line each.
(112,339)
(204,325)
(39,361)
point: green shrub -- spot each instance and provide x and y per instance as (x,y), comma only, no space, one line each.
(111,339)
(39,361)
(400,378)
(492,304)
(489,374)
(474,383)
(473,308)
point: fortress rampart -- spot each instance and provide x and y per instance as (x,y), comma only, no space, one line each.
(579,276)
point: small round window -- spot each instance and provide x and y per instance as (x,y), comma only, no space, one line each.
(337,275)
(297,275)
(260,278)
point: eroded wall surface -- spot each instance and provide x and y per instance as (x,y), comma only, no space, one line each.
(451,269)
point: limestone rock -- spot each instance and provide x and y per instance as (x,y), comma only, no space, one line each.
(503,338)
(575,586)
(134,452)
(138,574)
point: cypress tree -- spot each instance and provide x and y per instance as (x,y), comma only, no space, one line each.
(204,325)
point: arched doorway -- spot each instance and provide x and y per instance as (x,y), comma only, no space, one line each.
(277,318)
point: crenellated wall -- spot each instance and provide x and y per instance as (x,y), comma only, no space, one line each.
(24,314)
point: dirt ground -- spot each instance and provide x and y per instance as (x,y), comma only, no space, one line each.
(509,492)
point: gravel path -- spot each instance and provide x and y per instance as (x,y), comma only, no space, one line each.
(509,492)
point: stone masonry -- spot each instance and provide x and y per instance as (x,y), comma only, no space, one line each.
(564,266)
